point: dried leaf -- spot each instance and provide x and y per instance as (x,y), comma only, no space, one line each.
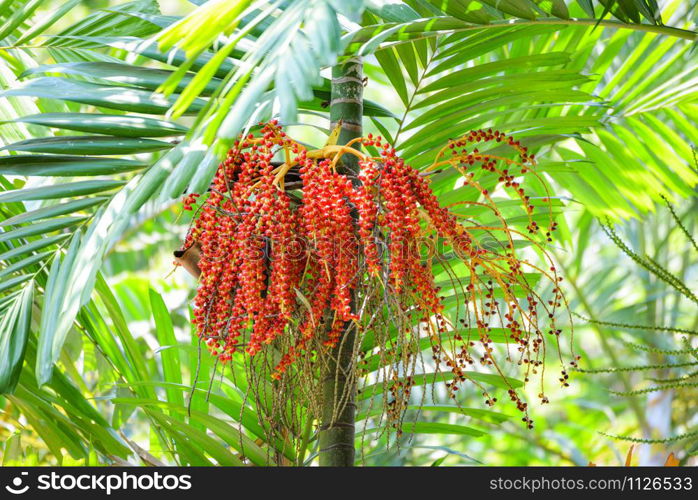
(671,461)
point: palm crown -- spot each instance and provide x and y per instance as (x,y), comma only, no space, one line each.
(119,114)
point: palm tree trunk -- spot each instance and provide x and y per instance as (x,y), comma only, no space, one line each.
(338,412)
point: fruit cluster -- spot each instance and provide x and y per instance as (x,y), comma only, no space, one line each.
(293,251)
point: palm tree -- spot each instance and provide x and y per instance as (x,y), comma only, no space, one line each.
(134,108)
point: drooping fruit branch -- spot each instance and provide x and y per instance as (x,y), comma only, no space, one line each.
(301,258)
